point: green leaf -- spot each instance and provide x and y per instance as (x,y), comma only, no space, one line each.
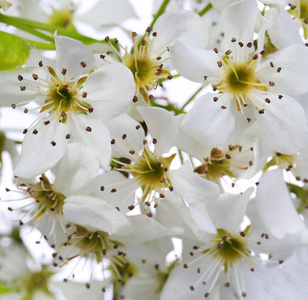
(13,51)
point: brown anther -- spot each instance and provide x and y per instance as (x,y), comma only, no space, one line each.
(272,64)
(191,287)
(20,78)
(63,71)
(233,40)
(53,143)
(214,88)
(250,163)
(154,141)
(10,208)
(223,107)
(228,52)
(13,106)
(206,295)
(262,52)
(68,136)
(112,142)
(25,131)
(228,156)
(261,111)
(219,63)
(132,152)
(271,83)
(109,52)
(131,207)
(83,64)
(134,34)
(215,50)
(255,56)
(63,113)
(244,294)
(185,266)
(281,261)
(84,95)
(242,234)
(25,110)
(240,44)
(40,64)
(102,56)
(267,100)
(151,97)
(169,77)
(21,222)
(249,45)
(116,41)
(154,34)
(279,69)
(35,76)
(113,190)
(143,42)
(227,284)
(138,127)
(149,29)
(280,97)
(215,99)
(124,136)
(149,214)
(87,285)
(170,188)
(161,196)
(22,88)
(89,129)
(46,122)
(35,131)
(205,77)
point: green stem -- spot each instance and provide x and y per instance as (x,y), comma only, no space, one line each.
(181,156)
(205,10)
(181,110)
(40,45)
(160,11)
(24,24)
(12,21)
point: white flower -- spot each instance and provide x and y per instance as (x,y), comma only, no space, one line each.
(74,99)
(261,90)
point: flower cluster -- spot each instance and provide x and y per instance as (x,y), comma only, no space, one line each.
(125,192)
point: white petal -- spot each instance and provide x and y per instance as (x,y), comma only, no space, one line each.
(110,90)
(125,190)
(95,214)
(192,187)
(239,20)
(109,12)
(194,63)
(207,122)
(275,205)
(293,77)
(10,86)
(70,53)
(162,126)
(76,171)
(92,133)
(184,26)
(121,125)
(201,216)
(229,211)
(147,229)
(278,127)
(38,153)
(283,30)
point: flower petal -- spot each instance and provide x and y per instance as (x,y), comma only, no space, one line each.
(292,79)
(194,63)
(70,55)
(92,133)
(275,205)
(277,125)
(42,148)
(207,122)
(184,26)
(162,126)
(110,90)
(76,171)
(95,214)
